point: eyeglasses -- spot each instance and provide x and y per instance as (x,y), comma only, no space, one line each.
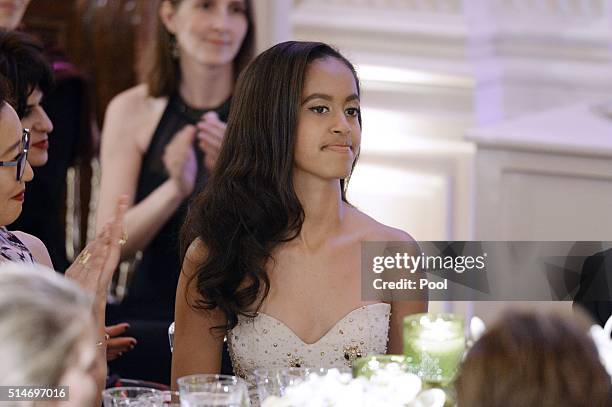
(21,161)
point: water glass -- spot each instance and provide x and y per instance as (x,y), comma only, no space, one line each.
(273,382)
(132,397)
(171,399)
(213,390)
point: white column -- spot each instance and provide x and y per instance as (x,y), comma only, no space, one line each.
(273,21)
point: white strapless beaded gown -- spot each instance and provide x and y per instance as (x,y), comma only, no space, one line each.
(265,342)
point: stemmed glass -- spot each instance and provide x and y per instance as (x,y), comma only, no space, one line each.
(213,390)
(274,382)
(132,397)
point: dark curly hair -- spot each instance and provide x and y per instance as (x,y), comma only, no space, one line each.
(23,64)
(249,204)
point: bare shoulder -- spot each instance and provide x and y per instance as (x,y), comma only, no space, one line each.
(36,247)
(133,100)
(134,111)
(30,241)
(195,256)
(372,230)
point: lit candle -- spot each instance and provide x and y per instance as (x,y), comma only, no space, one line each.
(436,343)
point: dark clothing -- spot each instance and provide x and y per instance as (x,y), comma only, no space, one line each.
(71,139)
(594,294)
(149,305)
(153,287)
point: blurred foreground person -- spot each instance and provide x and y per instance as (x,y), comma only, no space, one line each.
(534,360)
(47,334)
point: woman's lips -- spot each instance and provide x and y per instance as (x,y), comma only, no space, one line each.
(340,148)
(20,196)
(219,43)
(43,145)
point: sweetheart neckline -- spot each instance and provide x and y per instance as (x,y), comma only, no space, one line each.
(328,331)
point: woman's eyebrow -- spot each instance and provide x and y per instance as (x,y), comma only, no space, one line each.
(354,96)
(324,96)
(317,96)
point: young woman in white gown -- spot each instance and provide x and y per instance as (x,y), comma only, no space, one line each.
(274,256)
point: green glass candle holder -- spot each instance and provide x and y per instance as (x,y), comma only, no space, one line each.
(368,366)
(436,344)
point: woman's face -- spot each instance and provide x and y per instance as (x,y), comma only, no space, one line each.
(11,12)
(79,376)
(209,32)
(328,131)
(40,126)
(12,192)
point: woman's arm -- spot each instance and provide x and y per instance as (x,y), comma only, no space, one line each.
(197,349)
(127,116)
(399,309)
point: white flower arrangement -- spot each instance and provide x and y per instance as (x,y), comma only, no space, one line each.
(335,389)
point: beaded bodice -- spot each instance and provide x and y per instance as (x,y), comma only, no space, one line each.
(265,342)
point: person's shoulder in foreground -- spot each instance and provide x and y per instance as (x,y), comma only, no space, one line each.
(594,294)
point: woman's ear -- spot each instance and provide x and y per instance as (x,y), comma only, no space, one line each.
(167,12)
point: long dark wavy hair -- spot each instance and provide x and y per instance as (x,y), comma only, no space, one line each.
(249,204)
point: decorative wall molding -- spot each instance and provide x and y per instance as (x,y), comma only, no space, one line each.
(523,55)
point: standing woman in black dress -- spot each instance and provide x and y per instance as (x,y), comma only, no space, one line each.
(160,141)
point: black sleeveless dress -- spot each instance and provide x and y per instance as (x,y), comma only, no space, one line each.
(149,305)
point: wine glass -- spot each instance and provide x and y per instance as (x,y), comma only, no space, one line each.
(132,397)
(273,382)
(213,390)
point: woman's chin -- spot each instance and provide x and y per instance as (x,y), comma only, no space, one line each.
(38,159)
(11,214)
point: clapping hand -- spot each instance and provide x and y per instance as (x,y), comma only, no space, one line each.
(211,131)
(117,345)
(180,159)
(94,267)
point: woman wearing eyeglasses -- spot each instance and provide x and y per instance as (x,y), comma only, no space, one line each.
(14,173)
(28,76)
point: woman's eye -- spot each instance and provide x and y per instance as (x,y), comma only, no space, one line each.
(237,8)
(353,112)
(319,109)
(28,111)
(206,4)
